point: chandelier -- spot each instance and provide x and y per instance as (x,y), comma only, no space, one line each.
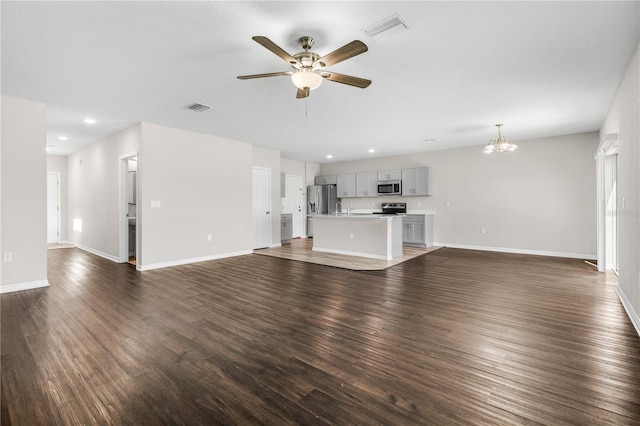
(500,144)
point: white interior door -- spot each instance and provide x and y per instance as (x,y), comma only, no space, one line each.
(293,202)
(261,207)
(53,208)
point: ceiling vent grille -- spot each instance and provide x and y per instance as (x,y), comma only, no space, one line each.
(198,107)
(392,24)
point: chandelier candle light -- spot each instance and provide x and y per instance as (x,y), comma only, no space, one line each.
(500,144)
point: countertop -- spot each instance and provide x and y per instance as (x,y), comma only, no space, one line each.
(370,212)
(364,216)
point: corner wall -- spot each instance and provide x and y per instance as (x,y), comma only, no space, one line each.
(24,194)
(199,185)
(94,191)
(624,118)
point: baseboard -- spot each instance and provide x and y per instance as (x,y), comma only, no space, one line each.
(99,253)
(520,251)
(9,288)
(353,253)
(275,245)
(192,260)
(631,313)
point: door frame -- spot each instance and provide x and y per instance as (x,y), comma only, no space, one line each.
(608,146)
(58,201)
(123,208)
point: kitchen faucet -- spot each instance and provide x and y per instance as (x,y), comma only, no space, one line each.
(337,207)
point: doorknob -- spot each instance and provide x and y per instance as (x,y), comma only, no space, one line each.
(268,212)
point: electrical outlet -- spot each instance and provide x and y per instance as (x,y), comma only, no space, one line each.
(351,235)
(419,203)
(483,230)
(208,237)
(8,257)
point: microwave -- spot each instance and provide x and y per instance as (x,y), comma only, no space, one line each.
(390,187)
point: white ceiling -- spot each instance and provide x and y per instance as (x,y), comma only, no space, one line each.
(541,68)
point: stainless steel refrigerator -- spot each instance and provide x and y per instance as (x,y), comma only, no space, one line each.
(321,199)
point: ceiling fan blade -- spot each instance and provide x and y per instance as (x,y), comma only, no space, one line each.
(346,79)
(265,42)
(269,74)
(302,93)
(347,51)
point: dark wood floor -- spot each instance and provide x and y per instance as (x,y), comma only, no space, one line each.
(452,337)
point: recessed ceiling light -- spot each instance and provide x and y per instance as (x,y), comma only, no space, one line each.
(89,120)
(371,151)
(329,156)
(63,138)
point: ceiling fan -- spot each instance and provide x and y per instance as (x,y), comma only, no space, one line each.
(309,67)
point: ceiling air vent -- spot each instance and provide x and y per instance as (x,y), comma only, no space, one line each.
(198,107)
(392,24)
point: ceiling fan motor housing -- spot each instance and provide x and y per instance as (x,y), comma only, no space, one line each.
(306,42)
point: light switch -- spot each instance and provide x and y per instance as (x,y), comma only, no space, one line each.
(155,204)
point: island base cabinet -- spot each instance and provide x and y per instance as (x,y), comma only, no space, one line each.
(417,230)
(373,236)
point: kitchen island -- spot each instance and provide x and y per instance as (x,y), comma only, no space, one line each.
(371,236)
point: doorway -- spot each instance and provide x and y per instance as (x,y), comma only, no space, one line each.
(261,206)
(53,208)
(293,202)
(130,220)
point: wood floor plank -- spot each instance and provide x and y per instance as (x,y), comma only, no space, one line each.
(452,337)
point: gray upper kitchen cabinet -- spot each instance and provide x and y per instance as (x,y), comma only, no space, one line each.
(325,180)
(367,184)
(346,185)
(389,175)
(416,181)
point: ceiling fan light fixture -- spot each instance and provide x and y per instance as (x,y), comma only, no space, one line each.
(306,79)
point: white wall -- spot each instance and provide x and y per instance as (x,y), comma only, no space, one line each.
(24,194)
(271,159)
(58,164)
(624,118)
(203,184)
(94,191)
(539,199)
